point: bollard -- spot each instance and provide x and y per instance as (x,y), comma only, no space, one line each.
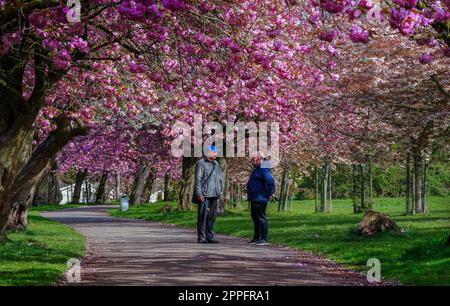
(124,203)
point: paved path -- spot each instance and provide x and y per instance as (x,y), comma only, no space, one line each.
(136,252)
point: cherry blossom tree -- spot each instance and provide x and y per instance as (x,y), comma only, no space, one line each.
(345,79)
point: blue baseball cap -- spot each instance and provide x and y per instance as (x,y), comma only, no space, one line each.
(213,148)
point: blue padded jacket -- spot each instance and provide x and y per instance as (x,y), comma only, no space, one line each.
(261,185)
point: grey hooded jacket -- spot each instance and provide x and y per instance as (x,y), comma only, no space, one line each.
(214,186)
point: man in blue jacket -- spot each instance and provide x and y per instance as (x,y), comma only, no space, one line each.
(260,189)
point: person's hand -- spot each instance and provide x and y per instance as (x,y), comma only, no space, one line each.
(201,198)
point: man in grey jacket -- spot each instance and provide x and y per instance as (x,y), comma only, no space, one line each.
(207,189)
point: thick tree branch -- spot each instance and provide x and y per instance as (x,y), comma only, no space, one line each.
(47,150)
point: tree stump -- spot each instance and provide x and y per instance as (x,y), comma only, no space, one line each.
(375,222)
(165,209)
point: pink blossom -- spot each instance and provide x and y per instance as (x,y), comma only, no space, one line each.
(425,58)
(358,35)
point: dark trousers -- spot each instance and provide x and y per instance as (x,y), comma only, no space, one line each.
(206,216)
(261,225)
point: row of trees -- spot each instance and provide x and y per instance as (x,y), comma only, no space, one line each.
(122,74)
(388,180)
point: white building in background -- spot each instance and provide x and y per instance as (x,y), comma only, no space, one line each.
(67,193)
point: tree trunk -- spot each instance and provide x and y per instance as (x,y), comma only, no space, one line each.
(424,188)
(81,176)
(18,218)
(17,114)
(149,185)
(187,183)
(316,200)
(239,193)
(330,198)
(106,194)
(281,200)
(370,202)
(139,183)
(223,164)
(408,183)
(232,194)
(354,197)
(166,186)
(413,192)
(41,158)
(237,198)
(15,132)
(324,187)
(418,182)
(35,201)
(31,174)
(362,190)
(100,194)
(87,191)
(117,186)
(227,193)
(286,192)
(53,186)
(11,144)
(21,201)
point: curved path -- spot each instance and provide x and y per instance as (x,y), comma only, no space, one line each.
(136,252)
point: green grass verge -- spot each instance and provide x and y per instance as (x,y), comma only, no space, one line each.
(39,254)
(418,257)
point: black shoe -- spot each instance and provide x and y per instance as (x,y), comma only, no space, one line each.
(202,240)
(253,241)
(261,242)
(211,240)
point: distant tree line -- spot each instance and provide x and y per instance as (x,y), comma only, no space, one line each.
(387,181)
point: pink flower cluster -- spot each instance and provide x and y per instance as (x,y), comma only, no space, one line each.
(425,58)
(79,44)
(139,10)
(406,21)
(359,35)
(136,68)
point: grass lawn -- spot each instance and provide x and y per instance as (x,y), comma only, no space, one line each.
(418,257)
(38,255)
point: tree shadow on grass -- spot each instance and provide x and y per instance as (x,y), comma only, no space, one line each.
(38,255)
(427,249)
(44,276)
(423,219)
(18,252)
(313,222)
